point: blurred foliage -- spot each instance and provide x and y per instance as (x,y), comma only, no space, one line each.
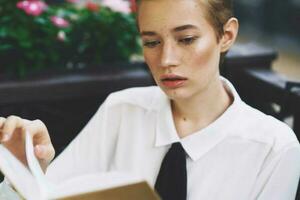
(92,34)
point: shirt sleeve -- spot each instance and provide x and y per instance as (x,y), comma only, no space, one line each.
(90,151)
(279,179)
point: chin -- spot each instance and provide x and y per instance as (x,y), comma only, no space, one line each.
(178,93)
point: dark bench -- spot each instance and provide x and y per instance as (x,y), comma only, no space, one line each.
(264,88)
(66,101)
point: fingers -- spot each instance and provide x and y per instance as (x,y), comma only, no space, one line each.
(14,127)
(38,131)
(13,124)
(12,135)
(2,120)
(41,140)
(36,128)
(9,126)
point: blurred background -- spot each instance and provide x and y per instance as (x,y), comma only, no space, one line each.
(275,24)
(59,59)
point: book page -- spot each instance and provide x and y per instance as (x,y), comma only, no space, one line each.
(45,187)
(18,175)
(33,184)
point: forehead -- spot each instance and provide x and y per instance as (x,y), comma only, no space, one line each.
(167,14)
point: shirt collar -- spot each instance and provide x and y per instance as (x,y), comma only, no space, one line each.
(200,142)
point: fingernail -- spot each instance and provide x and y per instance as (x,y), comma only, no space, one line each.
(5,137)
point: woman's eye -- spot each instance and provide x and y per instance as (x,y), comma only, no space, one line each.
(187,40)
(151,44)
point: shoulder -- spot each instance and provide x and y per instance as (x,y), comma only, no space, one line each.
(262,128)
(139,97)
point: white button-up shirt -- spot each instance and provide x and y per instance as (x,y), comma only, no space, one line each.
(243,155)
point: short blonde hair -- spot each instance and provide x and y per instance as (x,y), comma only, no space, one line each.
(218,12)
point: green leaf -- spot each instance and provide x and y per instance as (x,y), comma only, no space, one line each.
(3,32)
(4,19)
(25,44)
(41,20)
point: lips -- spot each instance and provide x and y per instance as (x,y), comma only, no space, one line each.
(173,80)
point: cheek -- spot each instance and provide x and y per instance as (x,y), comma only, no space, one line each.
(205,56)
(151,58)
(152,62)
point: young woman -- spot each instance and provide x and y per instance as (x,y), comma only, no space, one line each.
(192,136)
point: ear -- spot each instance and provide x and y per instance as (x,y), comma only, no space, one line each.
(230,33)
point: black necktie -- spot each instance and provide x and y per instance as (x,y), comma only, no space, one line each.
(171,183)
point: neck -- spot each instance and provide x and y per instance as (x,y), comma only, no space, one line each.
(197,112)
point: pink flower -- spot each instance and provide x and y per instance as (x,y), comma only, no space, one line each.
(60,22)
(118,5)
(22,4)
(32,7)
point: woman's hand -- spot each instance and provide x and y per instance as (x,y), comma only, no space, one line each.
(12,136)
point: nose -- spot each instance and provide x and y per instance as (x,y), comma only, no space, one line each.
(169,55)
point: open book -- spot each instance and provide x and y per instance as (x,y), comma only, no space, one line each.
(32,183)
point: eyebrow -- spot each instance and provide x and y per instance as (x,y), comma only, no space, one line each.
(184,27)
(148,33)
(176,29)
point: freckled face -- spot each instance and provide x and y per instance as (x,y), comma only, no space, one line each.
(180,46)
